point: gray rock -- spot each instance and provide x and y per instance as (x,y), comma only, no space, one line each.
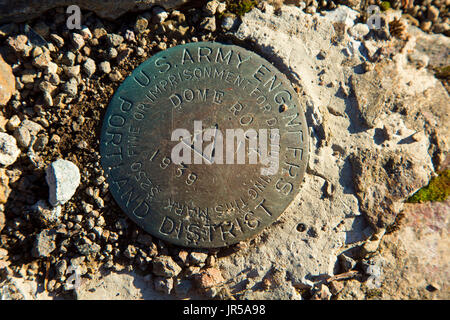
(159,15)
(141,25)
(164,266)
(63,178)
(40,143)
(61,267)
(229,22)
(71,87)
(114,40)
(383,181)
(44,243)
(197,258)
(77,40)
(130,36)
(3,253)
(209,24)
(342,14)
(13,123)
(346,262)
(72,71)
(130,252)
(359,30)
(58,40)
(374,269)
(163,285)
(211,7)
(89,67)
(86,32)
(22,136)
(68,58)
(47,215)
(111,53)
(105,67)
(33,127)
(8,149)
(433,13)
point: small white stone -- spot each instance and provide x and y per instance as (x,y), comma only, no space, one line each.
(359,30)
(105,67)
(63,179)
(159,15)
(8,149)
(77,40)
(86,33)
(89,67)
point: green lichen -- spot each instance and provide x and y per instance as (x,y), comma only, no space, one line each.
(385,5)
(437,190)
(373,293)
(241,7)
(443,72)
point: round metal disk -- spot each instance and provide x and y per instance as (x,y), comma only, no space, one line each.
(219,87)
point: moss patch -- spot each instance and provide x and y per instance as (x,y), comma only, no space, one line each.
(241,7)
(437,190)
(373,293)
(443,72)
(385,5)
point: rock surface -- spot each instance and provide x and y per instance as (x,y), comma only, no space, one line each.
(328,206)
(63,178)
(413,262)
(23,10)
(383,181)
